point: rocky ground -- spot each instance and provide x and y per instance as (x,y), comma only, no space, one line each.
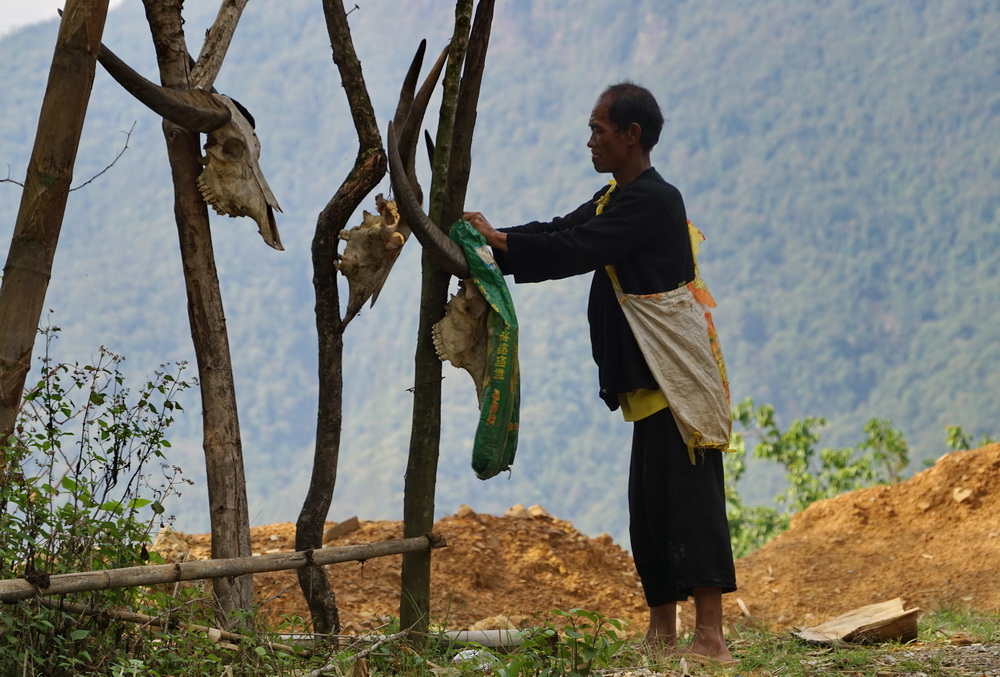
(933,540)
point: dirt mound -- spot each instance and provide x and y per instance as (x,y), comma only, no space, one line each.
(494,569)
(932,540)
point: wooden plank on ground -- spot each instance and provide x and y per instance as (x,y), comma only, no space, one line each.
(880,622)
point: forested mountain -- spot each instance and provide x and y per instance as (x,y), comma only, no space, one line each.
(840,156)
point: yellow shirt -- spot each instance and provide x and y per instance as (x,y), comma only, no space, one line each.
(640,403)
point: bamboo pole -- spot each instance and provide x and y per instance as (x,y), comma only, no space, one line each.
(330,667)
(215,634)
(60,584)
(491,639)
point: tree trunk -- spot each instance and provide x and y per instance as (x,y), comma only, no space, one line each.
(230,522)
(43,201)
(425,428)
(368,170)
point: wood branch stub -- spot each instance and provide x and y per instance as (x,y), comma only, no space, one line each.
(156,574)
(213,51)
(346,58)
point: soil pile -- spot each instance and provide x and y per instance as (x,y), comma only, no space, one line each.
(932,540)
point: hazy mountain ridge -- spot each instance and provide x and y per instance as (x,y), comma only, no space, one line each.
(839,157)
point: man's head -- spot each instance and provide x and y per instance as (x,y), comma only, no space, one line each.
(624,126)
(628,103)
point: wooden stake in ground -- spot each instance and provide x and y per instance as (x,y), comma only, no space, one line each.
(43,201)
(222,444)
(452,162)
(369,168)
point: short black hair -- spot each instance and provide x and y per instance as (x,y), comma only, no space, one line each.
(628,103)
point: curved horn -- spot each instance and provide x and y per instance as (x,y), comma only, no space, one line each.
(411,108)
(409,86)
(439,246)
(410,129)
(193,109)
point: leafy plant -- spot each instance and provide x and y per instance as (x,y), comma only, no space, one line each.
(587,640)
(81,494)
(959,440)
(811,474)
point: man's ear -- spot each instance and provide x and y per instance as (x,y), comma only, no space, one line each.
(634,132)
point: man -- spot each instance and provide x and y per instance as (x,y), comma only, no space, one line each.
(638,225)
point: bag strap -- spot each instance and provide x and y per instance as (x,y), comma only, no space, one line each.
(613,274)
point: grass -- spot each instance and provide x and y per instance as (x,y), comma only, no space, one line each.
(936,651)
(580,643)
(574,643)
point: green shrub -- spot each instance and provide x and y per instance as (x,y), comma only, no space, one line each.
(811,474)
(86,477)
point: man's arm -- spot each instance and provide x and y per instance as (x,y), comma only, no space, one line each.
(636,220)
(498,238)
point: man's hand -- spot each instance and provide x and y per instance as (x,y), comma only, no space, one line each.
(494,237)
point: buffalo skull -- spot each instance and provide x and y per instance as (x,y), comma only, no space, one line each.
(374,245)
(232,181)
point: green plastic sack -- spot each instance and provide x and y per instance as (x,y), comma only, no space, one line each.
(496,435)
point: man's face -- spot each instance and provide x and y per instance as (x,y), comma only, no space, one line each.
(608,146)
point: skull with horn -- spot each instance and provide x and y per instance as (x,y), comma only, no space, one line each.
(232,181)
(447,254)
(374,245)
(460,337)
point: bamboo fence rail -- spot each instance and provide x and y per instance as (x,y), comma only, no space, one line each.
(60,584)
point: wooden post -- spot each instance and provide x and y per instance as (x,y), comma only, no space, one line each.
(369,168)
(425,427)
(222,444)
(43,200)
(451,176)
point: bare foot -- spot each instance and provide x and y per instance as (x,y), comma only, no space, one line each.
(712,662)
(660,646)
(709,643)
(661,636)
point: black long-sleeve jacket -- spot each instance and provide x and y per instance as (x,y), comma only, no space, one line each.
(643,232)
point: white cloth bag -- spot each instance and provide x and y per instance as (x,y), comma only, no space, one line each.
(672,333)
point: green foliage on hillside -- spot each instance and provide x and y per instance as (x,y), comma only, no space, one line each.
(811,474)
(839,156)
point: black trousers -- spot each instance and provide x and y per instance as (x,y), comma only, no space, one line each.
(677,511)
